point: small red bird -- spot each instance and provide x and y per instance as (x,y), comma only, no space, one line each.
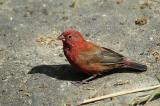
(90,58)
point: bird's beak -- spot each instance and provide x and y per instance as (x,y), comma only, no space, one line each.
(61,37)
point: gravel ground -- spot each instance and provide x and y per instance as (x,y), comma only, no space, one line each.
(33,69)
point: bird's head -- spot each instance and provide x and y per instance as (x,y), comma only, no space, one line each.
(71,37)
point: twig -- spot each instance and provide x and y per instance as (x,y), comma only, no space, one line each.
(117,94)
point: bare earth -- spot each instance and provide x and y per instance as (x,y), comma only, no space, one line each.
(33,69)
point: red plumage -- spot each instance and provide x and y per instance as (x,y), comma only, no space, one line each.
(90,58)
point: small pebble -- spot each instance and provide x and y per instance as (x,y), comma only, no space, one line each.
(60,55)
(158,44)
(141,21)
(11,18)
(4,35)
(119,1)
(44,5)
(121,23)
(151,38)
(87,34)
(65,18)
(44,11)
(104,15)
(93,19)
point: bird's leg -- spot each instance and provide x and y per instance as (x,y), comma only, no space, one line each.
(85,81)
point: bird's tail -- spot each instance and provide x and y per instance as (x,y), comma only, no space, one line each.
(135,65)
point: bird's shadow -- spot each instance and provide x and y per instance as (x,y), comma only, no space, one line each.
(66,72)
(62,72)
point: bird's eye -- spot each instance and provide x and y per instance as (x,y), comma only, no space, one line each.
(69,37)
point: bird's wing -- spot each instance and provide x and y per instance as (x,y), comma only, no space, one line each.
(101,55)
(110,56)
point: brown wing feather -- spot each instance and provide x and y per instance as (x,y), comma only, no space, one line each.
(101,55)
(110,56)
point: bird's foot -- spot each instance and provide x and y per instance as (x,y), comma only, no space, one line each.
(85,81)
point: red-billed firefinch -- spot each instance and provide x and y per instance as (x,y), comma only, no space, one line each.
(90,58)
